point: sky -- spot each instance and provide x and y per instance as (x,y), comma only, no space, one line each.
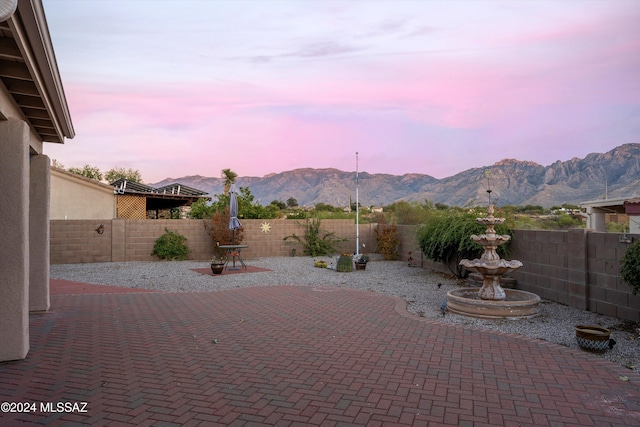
(178,88)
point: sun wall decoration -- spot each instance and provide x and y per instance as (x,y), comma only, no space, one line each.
(265,227)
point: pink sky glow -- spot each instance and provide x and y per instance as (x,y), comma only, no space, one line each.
(175,88)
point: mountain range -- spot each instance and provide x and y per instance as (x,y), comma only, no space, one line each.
(615,173)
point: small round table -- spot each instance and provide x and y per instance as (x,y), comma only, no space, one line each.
(233,252)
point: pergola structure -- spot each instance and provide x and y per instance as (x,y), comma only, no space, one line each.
(134,199)
(597,209)
(33,110)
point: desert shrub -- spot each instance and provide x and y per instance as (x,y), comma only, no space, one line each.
(565,221)
(630,267)
(171,246)
(218,228)
(617,227)
(317,242)
(387,239)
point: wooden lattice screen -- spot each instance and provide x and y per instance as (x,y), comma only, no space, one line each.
(132,207)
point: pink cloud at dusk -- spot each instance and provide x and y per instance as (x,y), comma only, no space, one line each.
(176,88)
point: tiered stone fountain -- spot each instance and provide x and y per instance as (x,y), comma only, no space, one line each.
(492,301)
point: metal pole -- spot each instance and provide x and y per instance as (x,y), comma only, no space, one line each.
(357,212)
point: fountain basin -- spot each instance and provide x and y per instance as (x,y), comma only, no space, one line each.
(516,305)
(490,220)
(491,267)
(493,239)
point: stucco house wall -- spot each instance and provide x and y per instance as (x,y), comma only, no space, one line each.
(33,110)
(76,197)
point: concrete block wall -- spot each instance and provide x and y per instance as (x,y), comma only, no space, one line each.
(409,247)
(608,294)
(77,241)
(579,268)
(553,264)
(272,243)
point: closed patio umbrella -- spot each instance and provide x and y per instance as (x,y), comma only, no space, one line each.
(234,222)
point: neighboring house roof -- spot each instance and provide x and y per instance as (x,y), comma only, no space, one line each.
(632,206)
(80,178)
(29,71)
(166,197)
(123,186)
(176,188)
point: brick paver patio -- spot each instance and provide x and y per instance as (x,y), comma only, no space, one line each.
(293,355)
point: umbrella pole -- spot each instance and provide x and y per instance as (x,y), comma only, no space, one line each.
(233,242)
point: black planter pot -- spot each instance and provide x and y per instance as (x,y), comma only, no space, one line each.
(217,268)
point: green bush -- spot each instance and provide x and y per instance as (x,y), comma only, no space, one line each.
(171,246)
(630,267)
(617,227)
(446,237)
(565,221)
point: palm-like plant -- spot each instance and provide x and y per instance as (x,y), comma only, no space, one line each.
(229,177)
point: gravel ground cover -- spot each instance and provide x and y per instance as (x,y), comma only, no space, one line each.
(417,286)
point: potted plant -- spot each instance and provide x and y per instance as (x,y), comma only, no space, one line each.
(345,263)
(361,262)
(218,261)
(594,338)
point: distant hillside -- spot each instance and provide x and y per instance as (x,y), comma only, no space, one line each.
(513,182)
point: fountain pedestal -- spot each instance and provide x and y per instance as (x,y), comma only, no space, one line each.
(492,301)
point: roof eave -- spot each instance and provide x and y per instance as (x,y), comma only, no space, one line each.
(31,34)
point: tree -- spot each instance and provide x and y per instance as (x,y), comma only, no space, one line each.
(91,172)
(404,212)
(324,207)
(291,202)
(279,204)
(229,178)
(247,208)
(200,209)
(128,174)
